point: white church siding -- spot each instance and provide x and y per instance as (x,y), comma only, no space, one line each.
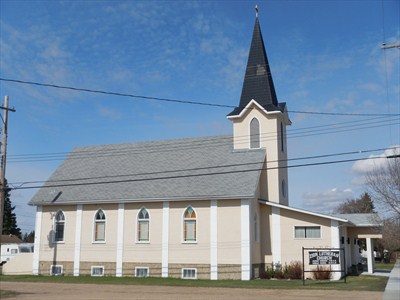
(292,246)
(229,241)
(121,252)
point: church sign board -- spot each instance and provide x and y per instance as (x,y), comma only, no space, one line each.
(324,257)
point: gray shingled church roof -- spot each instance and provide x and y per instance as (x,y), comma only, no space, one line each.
(258,84)
(150,171)
(362,220)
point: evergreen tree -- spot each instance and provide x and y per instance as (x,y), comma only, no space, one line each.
(9,218)
(29,237)
(362,205)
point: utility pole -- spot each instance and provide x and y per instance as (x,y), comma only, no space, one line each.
(3,160)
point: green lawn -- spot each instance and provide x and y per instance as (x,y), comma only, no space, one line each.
(385,267)
(354,283)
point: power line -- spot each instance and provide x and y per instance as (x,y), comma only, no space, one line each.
(203,168)
(184,145)
(198,175)
(190,102)
(111,153)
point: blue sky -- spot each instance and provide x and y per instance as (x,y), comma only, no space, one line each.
(325,56)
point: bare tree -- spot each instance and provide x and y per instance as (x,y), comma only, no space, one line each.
(390,242)
(383,183)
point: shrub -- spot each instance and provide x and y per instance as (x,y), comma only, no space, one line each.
(277,271)
(269,272)
(322,273)
(295,270)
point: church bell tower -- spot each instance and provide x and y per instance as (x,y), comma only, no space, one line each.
(260,120)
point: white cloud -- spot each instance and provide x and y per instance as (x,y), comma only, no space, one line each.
(201,24)
(326,201)
(110,113)
(348,101)
(371,87)
(362,167)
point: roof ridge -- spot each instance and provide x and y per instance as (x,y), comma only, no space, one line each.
(153,142)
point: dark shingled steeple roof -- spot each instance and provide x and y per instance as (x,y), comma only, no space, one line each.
(258,83)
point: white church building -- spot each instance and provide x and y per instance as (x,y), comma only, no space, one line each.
(210,207)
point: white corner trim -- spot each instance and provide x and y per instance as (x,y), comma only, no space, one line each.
(335,238)
(165,240)
(38,232)
(245,239)
(276,235)
(78,234)
(120,239)
(335,243)
(370,255)
(214,239)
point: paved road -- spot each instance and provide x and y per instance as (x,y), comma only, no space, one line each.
(47,291)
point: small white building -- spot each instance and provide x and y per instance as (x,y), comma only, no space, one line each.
(11,246)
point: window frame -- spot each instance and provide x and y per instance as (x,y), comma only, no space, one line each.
(142,268)
(189,269)
(138,221)
(59,222)
(255,222)
(305,232)
(283,188)
(95,222)
(56,266)
(256,136)
(186,220)
(96,275)
(282,139)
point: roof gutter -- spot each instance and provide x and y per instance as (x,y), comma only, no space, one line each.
(268,203)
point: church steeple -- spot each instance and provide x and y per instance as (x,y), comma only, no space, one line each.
(258,84)
(259,122)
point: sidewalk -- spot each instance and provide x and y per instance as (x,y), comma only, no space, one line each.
(392,290)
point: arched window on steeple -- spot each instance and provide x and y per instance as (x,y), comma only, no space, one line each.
(282,141)
(254,133)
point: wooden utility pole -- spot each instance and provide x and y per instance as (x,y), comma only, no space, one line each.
(3,161)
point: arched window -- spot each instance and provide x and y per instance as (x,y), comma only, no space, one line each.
(282,141)
(143,222)
(100,226)
(189,225)
(255,227)
(283,188)
(59,225)
(254,133)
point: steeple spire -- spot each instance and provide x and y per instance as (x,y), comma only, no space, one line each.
(258,84)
